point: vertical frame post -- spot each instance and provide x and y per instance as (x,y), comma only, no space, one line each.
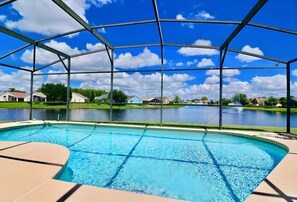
(288,97)
(222,59)
(68,91)
(162,84)
(32,83)
(111,85)
(31,96)
(221,92)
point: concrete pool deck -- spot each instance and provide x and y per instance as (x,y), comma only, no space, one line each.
(27,171)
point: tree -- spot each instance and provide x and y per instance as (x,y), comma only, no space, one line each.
(177,100)
(240,98)
(225,101)
(55,92)
(283,101)
(118,96)
(272,101)
(89,93)
(204,98)
(14,90)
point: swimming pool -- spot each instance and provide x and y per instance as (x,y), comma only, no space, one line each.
(193,166)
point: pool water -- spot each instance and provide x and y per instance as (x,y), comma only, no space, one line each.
(194,166)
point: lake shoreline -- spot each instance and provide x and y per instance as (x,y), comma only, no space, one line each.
(25,105)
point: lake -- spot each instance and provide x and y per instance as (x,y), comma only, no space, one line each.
(187,114)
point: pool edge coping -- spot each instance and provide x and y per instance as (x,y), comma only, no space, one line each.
(264,191)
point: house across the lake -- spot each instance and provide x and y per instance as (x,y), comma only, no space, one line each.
(146,100)
(102,98)
(134,100)
(157,100)
(76,97)
(37,97)
(22,97)
(13,96)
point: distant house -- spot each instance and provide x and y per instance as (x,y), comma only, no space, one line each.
(146,100)
(201,102)
(259,101)
(13,96)
(134,100)
(102,98)
(157,100)
(76,97)
(278,105)
(37,97)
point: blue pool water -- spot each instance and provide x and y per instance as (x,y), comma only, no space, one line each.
(194,166)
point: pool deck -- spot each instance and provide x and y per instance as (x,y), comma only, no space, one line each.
(27,170)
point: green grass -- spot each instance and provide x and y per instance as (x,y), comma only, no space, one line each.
(81,106)
(272,109)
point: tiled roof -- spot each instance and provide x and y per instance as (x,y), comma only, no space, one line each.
(19,94)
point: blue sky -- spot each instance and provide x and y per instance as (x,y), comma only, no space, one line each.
(42,18)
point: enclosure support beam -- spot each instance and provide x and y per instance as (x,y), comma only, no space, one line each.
(162,84)
(31,41)
(76,17)
(288,98)
(165,70)
(32,82)
(111,84)
(247,18)
(68,90)
(14,67)
(61,60)
(222,59)
(162,57)
(3,3)
(14,51)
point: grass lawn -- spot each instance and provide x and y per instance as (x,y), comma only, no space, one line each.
(272,109)
(81,106)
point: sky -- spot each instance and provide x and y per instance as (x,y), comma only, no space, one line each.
(39,19)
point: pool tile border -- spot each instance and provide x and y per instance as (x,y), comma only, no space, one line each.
(279,185)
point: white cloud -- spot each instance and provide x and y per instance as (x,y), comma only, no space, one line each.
(45,17)
(2,18)
(44,57)
(294,72)
(204,16)
(102,30)
(226,72)
(181,17)
(179,64)
(205,63)
(144,59)
(189,63)
(141,85)
(92,62)
(270,83)
(249,49)
(231,72)
(100,3)
(212,80)
(19,80)
(186,51)
(62,78)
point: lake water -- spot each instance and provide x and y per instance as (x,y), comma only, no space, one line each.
(188,114)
